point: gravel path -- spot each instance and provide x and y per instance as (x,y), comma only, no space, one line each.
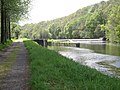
(16,78)
(4,53)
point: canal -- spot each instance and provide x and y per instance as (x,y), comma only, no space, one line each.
(104,57)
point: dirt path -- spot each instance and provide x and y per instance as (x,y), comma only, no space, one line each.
(16,75)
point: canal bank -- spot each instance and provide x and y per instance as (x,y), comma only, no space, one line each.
(51,71)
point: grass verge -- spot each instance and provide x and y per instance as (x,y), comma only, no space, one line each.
(8,43)
(51,71)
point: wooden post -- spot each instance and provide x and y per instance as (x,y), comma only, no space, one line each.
(77,44)
(42,42)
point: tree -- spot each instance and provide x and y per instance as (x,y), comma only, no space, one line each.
(11,10)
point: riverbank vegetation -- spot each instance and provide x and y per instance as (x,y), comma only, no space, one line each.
(51,71)
(95,21)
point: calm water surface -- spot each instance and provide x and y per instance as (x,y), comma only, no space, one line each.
(102,56)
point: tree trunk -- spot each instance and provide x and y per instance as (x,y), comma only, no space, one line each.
(9,32)
(5,25)
(2,23)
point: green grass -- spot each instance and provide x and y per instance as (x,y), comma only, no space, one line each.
(51,71)
(8,43)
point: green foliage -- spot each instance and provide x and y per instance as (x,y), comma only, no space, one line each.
(15,30)
(11,11)
(118,33)
(95,21)
(51,71)
(113,23)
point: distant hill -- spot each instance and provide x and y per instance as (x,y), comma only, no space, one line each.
(95,21)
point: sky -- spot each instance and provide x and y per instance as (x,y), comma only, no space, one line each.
(43,10)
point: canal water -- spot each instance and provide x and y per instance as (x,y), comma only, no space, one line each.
(104,57)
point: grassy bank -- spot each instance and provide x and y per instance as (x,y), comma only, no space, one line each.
(8,43)
(51,71)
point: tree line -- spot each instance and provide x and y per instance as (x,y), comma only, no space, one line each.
(11,11)
(95,21)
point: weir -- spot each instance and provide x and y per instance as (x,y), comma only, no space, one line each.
(79,40)
(42,42)
(75,42)
(67,42)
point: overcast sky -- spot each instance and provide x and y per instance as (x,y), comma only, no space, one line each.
(43,10)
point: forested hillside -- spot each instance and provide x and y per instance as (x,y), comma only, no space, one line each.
(95,21)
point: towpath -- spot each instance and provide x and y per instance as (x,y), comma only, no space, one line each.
(14,67)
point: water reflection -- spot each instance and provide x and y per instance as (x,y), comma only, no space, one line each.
(104,57)
(104,48)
